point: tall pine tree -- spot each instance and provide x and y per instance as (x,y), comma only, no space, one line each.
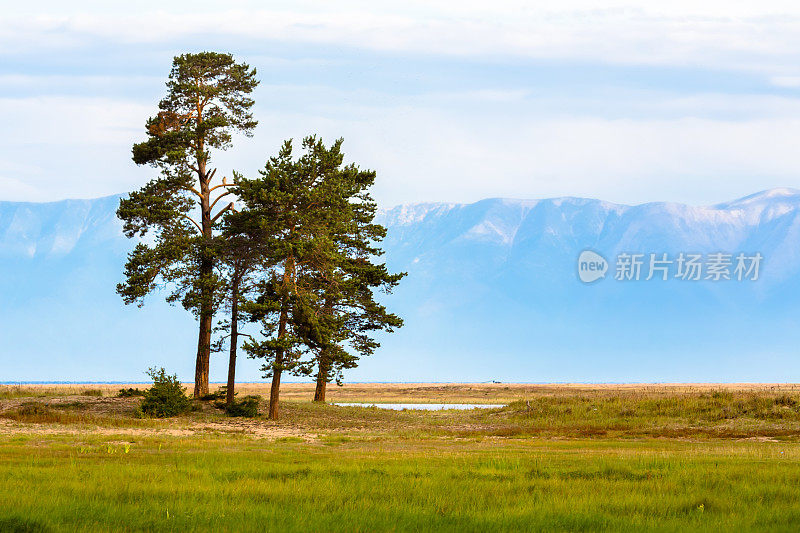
(207,102)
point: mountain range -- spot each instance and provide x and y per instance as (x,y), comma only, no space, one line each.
(492,293)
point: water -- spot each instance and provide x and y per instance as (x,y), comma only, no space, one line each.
(424,406)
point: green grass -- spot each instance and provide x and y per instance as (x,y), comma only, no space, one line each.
(646,459)
(602,414)
(721,414)
(243,484)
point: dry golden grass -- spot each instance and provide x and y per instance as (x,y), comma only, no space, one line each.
(419,392)
(547,411)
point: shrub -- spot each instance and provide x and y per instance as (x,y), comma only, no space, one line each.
(70,405)
(246,407)
(92,392)
(129,392)
(33,409)
(219,394)
(785,400)
(166,397)
(34,412)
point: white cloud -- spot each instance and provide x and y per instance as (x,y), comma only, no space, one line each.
(63,120)
(786,81)
(747,35)
(67,147)
(695,160)
(57,147)
(29,82)
(424,153)
(442,143)
(13,188)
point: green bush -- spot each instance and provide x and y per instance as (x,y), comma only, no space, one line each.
(246,407)
(166,397)
(129,392)
(219,394)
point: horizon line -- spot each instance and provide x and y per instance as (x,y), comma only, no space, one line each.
(785,191)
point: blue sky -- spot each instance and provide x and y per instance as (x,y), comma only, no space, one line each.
(448,101)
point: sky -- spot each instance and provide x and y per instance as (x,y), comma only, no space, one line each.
(685,101)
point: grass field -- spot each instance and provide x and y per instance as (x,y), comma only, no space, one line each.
(563,458)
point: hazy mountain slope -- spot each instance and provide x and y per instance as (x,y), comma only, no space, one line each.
(492,293)
(61,318)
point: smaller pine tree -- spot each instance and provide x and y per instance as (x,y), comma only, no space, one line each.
(166,397)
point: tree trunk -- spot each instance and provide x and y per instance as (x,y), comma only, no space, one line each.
(234,339)
(206,291)
(203,356)
(275,390)
(324,363)
(322,378)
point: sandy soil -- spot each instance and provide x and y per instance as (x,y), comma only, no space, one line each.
(8,427)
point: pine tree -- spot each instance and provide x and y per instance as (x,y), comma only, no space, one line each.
(207,102)
(313,220)
(242,258)
(237,260)
(282,212)
(349,314)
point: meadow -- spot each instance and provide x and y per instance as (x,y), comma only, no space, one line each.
(563,458)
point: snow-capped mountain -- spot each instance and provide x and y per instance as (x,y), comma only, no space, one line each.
(492,292)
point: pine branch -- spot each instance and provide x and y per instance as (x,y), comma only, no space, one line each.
(215,217)
(218,198)
(190,219)
(223,184)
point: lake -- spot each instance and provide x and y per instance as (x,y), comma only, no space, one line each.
(423,406)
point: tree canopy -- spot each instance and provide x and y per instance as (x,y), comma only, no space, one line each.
(207,102)
(315,304)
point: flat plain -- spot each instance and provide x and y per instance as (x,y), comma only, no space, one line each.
(569,457)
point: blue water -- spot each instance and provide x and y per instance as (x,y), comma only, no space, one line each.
(423,406)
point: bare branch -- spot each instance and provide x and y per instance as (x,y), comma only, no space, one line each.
(229,206)
(190,219)
(223,184)
(218,198)
(192,189)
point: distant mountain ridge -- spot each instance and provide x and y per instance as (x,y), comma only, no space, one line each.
(492,293)
(57,228)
